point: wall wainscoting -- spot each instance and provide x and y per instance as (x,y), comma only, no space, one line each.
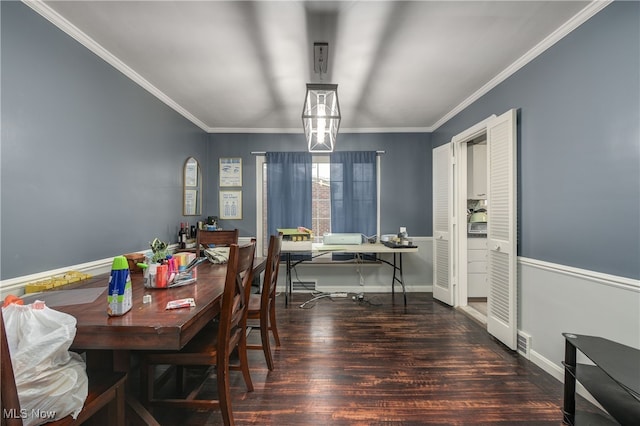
(553,299)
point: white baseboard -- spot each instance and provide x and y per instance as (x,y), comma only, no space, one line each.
(427,288)
(558,373)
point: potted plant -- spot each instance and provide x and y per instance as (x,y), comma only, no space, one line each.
(159,249)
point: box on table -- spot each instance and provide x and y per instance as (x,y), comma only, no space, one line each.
(296,234)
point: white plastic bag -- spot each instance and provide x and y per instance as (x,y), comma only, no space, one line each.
(52,382)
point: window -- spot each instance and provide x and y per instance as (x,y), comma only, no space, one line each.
(321,196)
(321,199)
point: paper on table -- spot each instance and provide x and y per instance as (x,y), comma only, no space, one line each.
(189,302)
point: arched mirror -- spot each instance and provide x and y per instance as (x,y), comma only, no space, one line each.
(192,188)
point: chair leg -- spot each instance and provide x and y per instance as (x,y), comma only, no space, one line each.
(272,322)
(224,392)
(266,345)
(244,362)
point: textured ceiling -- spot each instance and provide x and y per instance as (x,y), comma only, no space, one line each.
(243,65)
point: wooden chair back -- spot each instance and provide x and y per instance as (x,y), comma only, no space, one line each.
(219,238)
(271,273)
(233,314)
(106,393)
(265,310)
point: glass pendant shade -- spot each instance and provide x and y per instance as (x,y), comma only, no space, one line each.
(321,117)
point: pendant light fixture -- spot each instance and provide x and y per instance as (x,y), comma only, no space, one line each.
(321,111)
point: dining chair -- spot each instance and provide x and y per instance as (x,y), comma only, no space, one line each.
(219,238)
(212,346)
(262,307)
(106,394)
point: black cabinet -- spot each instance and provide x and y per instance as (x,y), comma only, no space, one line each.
(613,380)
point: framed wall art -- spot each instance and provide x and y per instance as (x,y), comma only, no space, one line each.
(230,205)
(230,172)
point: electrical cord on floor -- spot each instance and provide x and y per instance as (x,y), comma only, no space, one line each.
(363,300)
(323,295)
(360,298)
(314,299)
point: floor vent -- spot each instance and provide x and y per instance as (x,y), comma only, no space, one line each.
(304,286)
(524,344)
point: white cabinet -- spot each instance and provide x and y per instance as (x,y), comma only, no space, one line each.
(477,171)
(477,267)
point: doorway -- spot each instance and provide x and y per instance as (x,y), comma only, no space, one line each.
(470,206)
(453,258)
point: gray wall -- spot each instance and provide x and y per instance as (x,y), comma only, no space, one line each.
(579,147)
(91,162)
(405,198)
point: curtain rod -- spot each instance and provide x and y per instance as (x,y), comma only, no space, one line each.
(264,152)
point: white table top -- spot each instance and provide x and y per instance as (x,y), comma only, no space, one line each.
(308,246)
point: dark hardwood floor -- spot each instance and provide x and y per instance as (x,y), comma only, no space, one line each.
(378,362)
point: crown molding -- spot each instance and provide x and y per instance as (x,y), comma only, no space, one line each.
(578,19)
(288,130)
(251,130)
(388,130)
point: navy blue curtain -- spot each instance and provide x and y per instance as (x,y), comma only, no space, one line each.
(354,193)
(288,190)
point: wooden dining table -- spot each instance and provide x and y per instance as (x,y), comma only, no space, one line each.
(147,326)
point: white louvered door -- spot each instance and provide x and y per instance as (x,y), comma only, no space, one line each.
(442,199)
(502,318)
